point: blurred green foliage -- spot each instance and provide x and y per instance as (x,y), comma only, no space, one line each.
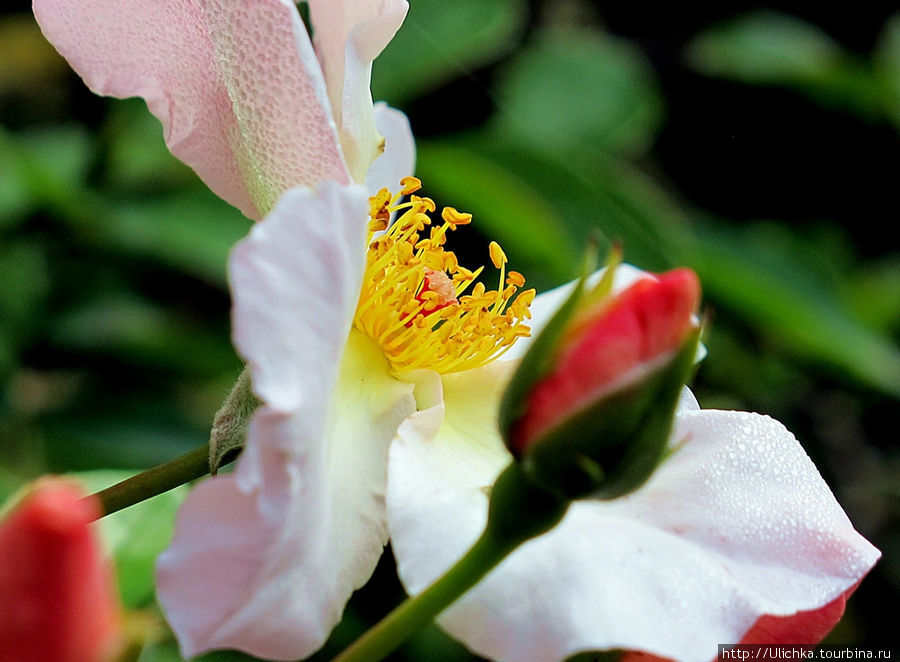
(114,338)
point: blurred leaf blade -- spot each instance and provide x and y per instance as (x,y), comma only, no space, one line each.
(192,231)
(436,45)
(617,108)
(46,167)
(776,296)
(126,326)
(886,61)
(765,47)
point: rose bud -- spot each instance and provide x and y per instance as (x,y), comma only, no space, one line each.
(57,595)
(590,409)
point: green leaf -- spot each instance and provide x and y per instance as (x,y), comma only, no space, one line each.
(191,231)
(575,90)
(128,436)
(874,294)
(123,324)
(42,167)
(440,41)
(25,279)
(136,535)
(137,156)
(770,48)
(770,279)
(591,197)
(886,61)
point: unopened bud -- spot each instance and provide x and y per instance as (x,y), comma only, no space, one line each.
(57,593)
(590,409)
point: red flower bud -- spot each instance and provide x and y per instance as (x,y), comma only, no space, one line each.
(609,347)
(592,413)
(57,596)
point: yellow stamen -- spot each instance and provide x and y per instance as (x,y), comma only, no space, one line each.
(412,301)
(515,278)
(455,218)
(410,185)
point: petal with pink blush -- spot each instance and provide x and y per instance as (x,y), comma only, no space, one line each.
(292,314)
(265,559)
(736,525)
(348,37)
(235,83)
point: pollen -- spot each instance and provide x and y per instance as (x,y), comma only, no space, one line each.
(419,304)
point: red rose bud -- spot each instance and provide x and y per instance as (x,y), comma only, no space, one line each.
(590,409)
(57,596)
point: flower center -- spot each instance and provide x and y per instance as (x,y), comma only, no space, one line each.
(419,304)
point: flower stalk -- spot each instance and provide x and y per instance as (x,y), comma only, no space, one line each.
(518,512)
(147,484)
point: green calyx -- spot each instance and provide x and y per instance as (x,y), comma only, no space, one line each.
(612,446)
(541,355)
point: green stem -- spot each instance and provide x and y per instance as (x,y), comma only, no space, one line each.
(157,480)
(229,432)
(518,511)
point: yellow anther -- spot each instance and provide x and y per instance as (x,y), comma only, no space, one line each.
(525,298)
(454,218)
(410,185)
(433,260)
(451,264)
(378,224)
(498,257)
(427,204)
(515,278)
(412,301)
(379,205)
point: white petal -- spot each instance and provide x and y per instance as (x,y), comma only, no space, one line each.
(295,281)
(736,524)
(264,560)
(453,436)
(399,157)
(348,36)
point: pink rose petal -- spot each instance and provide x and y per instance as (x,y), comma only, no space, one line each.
(235,83)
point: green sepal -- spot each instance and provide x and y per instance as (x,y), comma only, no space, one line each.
(540,357)
(229,430)
(520,510)
(610,447)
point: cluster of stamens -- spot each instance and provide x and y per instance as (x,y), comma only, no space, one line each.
(419,304)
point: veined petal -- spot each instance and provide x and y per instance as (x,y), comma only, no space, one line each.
(235,83)
(399,157)
(292,313)
(736,525)
(348,36)
(264,560)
